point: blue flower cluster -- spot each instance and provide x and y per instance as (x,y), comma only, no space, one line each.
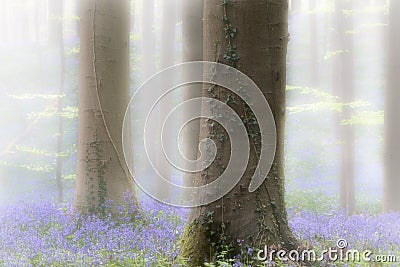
(378,233)
(44,234)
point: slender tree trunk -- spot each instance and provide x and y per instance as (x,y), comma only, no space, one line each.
(37,21)
(295,6)
(3,20)
(391,184)
(169,9)
(345,91)
(192,50)
(148,60)
(60,133)
(314,44)
(168,33)
(55,8)
(102,174)
(257,218)
(149,42)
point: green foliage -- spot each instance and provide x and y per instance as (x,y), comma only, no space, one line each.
(73,51)
(35,96)
(366,118)
(68,113)
(310,200)
(327,102)
(34,167)
(231,55)
(314,92)
(332,54)
(36,151)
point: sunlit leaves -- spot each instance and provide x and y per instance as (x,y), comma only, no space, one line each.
(36,151)
(73,51)
(326,105)
(315,107)
(366,118)
(68,113)
(331,54)
(323,101)
(315,92)
(70,177)
(34,167)
(33,150)
(35,96)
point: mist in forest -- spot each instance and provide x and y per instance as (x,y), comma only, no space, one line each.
(113,140)
(336,61)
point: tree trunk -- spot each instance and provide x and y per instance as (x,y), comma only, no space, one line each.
(37,20)
(391,184)
(314,43)
(345,91)
(295,6)
(192,50)
(167,60)
(257,218)
(60,133)
(149,42)
(4,20)
(55,8)
(102,174)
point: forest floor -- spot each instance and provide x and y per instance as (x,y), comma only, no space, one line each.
(45,234)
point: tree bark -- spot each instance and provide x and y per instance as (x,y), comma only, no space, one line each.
(102,174)
(257,218)
(345,91)
(391,183)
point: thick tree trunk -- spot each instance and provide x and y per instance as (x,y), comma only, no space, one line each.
(192,50)
(345,91)
(102,174)
(391,184)
(257,218)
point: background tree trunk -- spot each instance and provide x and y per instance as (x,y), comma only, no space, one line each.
(103,97)
(391,184)
(60,133)
(4,20)
(192,45)
(295,6)
(345,91)
(149,41)
(257,218)
(54,19)
(169,9)
(314,43)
